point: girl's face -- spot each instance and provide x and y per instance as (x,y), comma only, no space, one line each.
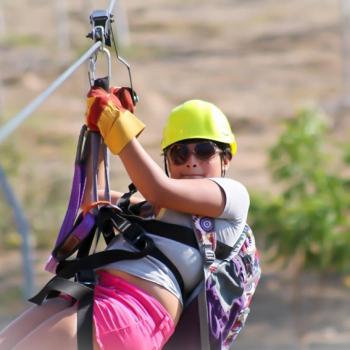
(195,160)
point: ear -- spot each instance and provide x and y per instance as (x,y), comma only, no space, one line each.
(226,161)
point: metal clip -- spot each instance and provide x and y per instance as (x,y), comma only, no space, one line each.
(92,65)
(101,32)
(101,21)
(208,254)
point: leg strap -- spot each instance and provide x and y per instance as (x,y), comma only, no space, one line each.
(85,297)
(85,321)
(59,285)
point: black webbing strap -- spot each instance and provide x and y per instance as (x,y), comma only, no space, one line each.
(60,285)
(85,298)
(110,215)
(86,303)
(178,233)
(68,269)
(135,231)
(124,200)
(85,321)
(134,234)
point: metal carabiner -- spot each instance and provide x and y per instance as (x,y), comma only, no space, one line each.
(92,65)
(100,33)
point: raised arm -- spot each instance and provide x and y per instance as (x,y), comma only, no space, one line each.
(190,191)
(198,195)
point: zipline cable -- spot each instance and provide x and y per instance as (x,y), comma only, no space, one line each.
(18,119)
(6,130)
(111,6)
(14,122)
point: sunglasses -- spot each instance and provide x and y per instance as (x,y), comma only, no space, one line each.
(180,153)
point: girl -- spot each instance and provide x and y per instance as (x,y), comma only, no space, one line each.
(138,303)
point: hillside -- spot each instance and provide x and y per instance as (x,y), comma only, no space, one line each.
(258,60)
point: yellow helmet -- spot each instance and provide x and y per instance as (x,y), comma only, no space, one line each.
(197,119)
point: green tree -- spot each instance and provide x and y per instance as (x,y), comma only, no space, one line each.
(309,219)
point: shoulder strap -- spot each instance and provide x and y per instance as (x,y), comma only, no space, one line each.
(204,228)
(213,251)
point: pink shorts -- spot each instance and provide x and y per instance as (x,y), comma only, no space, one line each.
(125,317)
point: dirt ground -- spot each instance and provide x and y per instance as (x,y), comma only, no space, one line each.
(259,60)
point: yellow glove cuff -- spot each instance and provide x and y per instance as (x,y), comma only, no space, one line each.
(118,128)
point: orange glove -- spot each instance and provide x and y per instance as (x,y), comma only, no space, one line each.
(124,95)
(110,113)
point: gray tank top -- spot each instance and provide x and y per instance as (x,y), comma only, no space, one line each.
(187,260)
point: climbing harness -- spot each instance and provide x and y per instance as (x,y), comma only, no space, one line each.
(219,304)
(80,229)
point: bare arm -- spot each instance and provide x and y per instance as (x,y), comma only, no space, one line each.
(115,195)
(197,196)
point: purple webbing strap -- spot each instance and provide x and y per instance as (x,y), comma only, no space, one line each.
(74,204)
(77,190)
(88,146)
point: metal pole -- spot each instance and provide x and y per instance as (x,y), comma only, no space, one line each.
(15,121)
(2,35)
(24,231)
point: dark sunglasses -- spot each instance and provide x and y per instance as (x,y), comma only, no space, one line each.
(179,153)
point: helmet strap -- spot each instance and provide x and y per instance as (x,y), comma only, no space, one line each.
(166,166)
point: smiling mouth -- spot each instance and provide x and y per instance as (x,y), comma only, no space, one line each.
(193,176)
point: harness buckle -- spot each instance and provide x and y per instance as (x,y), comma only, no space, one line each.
(208,253)
(134,235)
(86,277)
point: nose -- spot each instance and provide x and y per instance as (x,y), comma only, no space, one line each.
(192,161)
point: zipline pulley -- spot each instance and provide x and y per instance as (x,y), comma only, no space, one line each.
(101,26)
(101,21)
